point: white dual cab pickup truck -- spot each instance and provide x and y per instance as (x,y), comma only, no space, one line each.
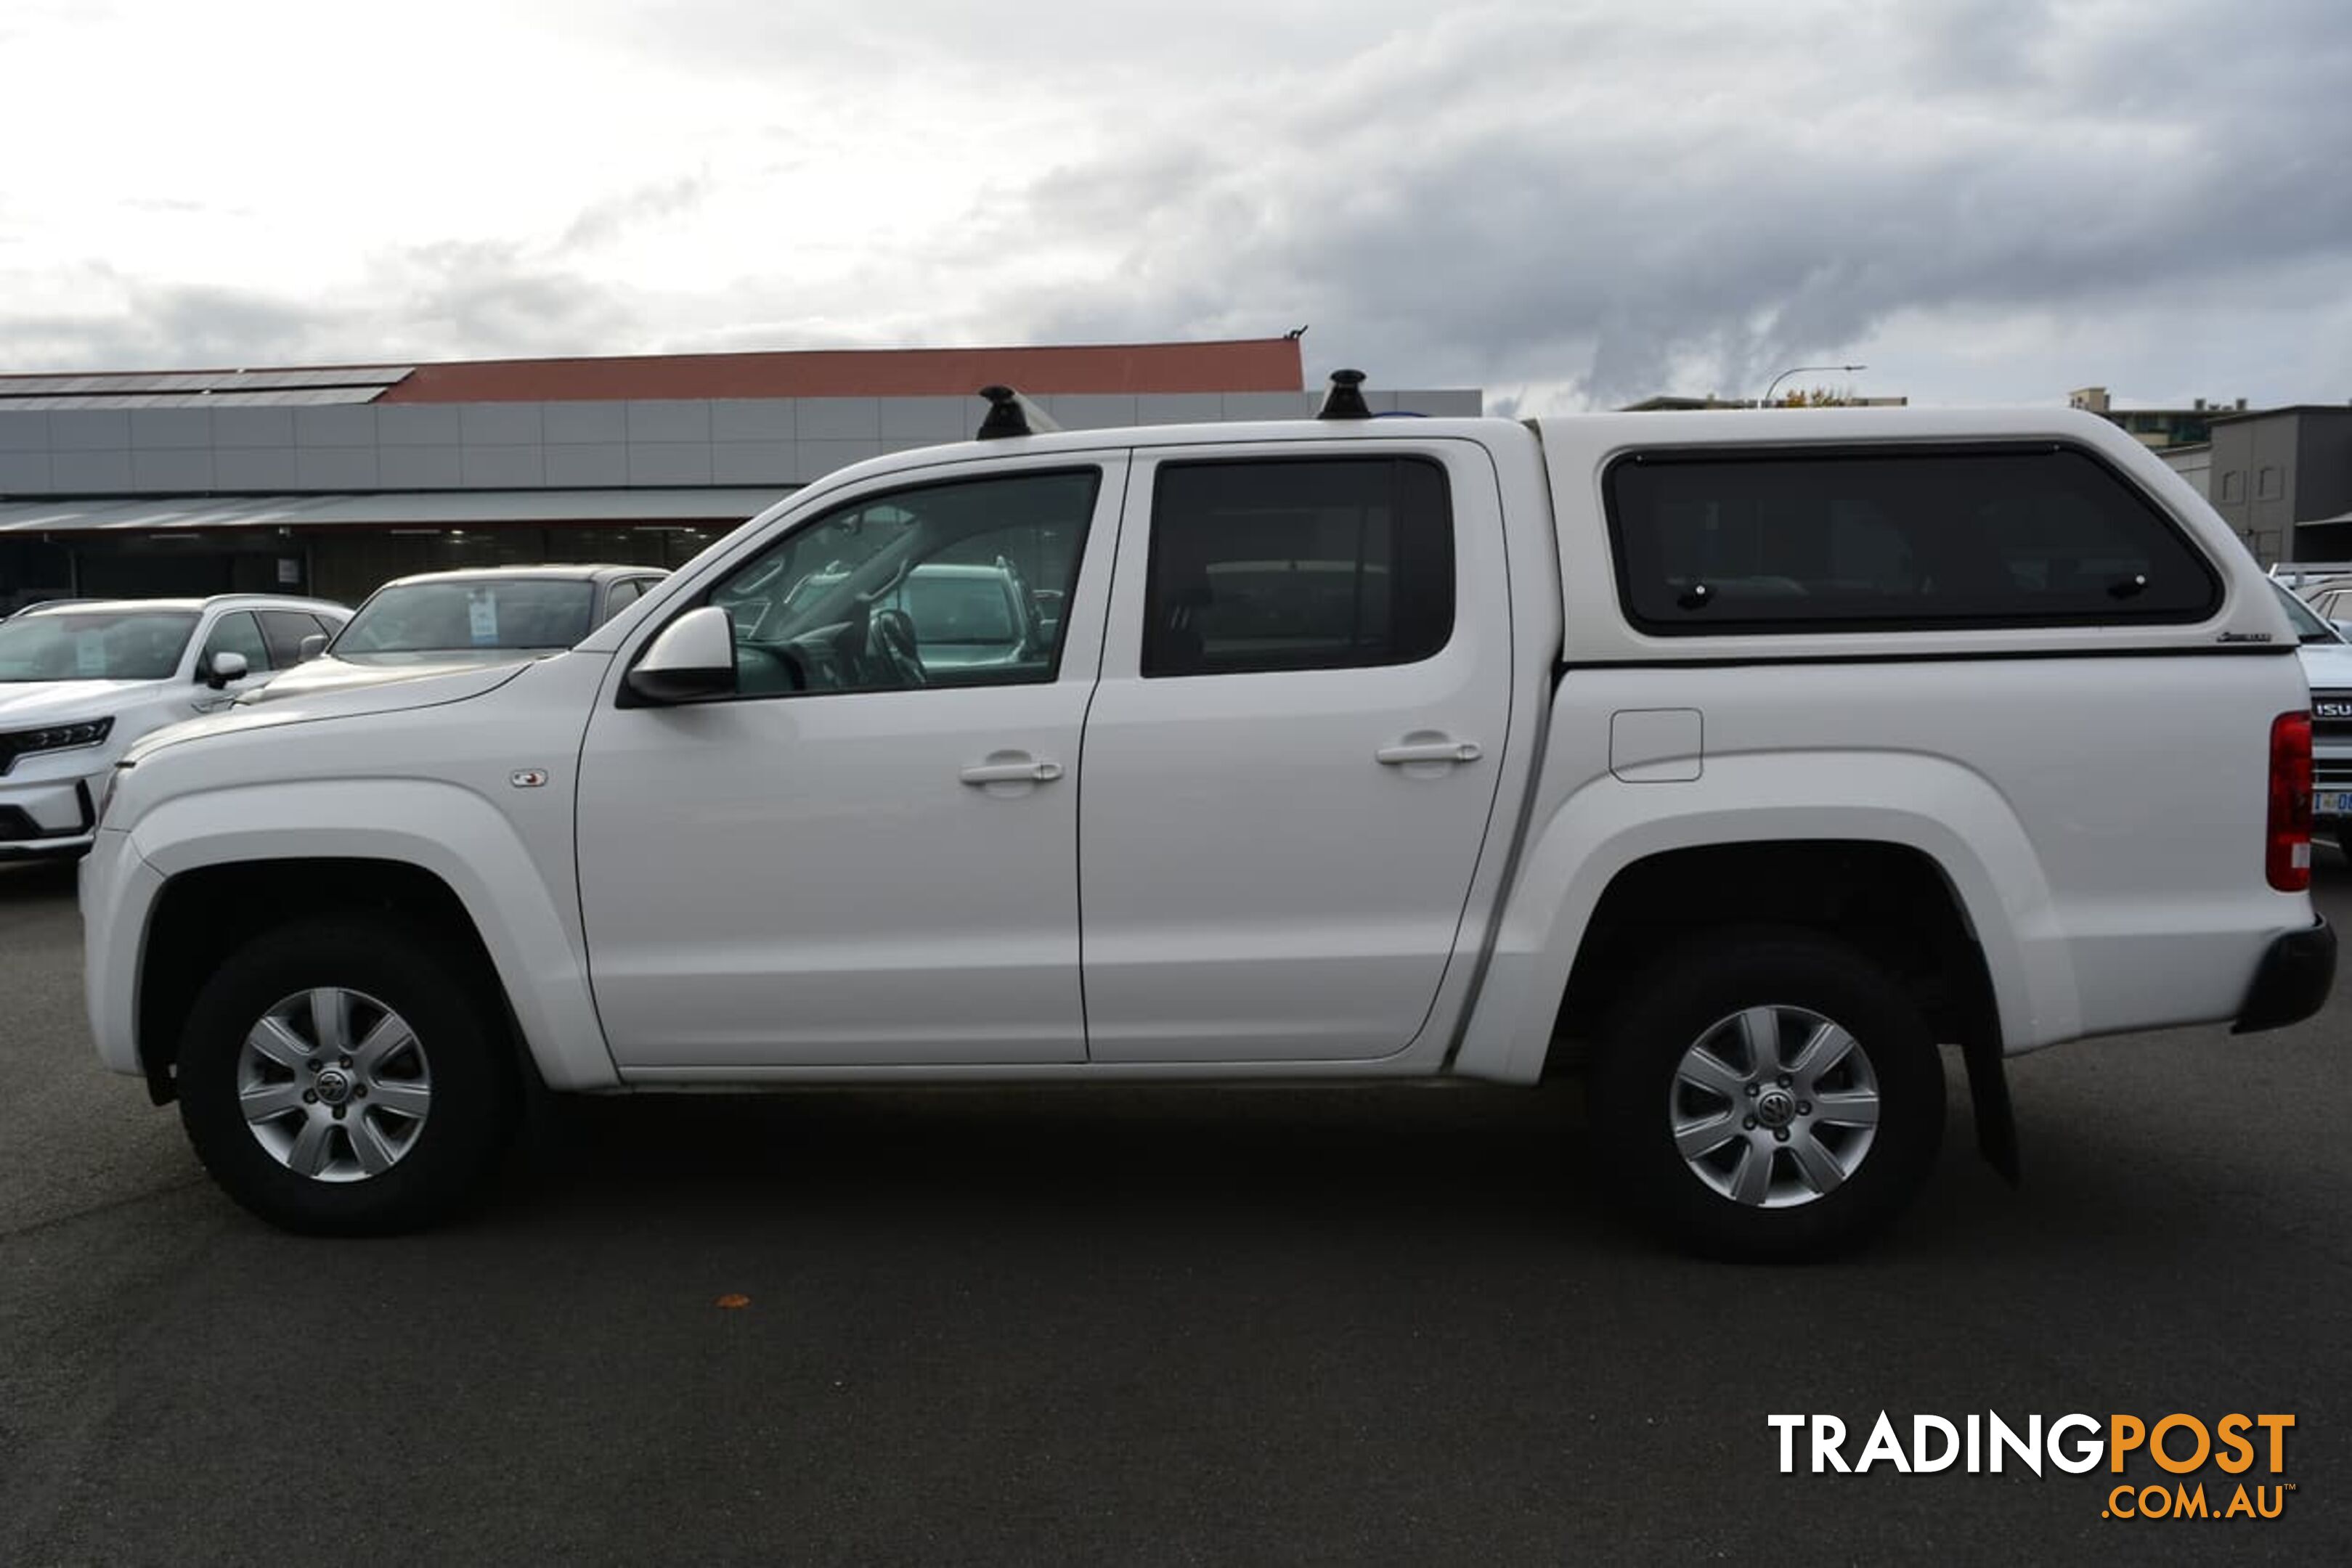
(1734,760)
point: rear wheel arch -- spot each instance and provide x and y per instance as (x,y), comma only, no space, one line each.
(1891,902)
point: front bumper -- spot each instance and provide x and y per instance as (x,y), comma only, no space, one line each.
(2297,972)
(55,816)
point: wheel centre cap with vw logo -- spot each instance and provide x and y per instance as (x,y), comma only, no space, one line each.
(1775,1107)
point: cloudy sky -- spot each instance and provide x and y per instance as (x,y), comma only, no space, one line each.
(1566,203)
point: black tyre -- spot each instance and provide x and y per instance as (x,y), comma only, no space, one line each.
(1766,1095)
(348,1077)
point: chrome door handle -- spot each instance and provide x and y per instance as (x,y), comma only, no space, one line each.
(1439,750)
(1027,772)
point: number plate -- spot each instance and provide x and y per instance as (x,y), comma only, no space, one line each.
(2332,803)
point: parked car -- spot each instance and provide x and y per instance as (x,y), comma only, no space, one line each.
(2327,657)
(1731,762)
(442,620)
(970,616)
(2330,598)
(36,603)
(2299,575)
(82,679)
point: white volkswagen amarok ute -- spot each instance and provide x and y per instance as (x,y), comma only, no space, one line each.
(1737,761)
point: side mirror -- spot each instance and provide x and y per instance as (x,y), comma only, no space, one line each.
(694,657)
(1047,604)
(226,667)
(312,646)
(2343,626)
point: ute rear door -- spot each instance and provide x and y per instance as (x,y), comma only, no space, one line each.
(1292,753)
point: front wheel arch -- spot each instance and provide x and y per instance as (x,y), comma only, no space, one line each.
(202,916)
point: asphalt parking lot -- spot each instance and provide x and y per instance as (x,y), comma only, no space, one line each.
(1163,1326)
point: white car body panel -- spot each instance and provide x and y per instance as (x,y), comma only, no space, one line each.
(418,771)
(1257,886)
(2098,910)
(807,882)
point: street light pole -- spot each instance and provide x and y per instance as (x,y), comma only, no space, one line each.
(1765,402)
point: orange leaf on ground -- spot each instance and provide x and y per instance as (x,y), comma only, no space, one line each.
(731,1301)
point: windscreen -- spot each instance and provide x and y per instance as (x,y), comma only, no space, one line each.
(2308,627)
(533,613)
(109,646)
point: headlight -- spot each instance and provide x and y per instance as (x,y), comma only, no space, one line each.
(56,738)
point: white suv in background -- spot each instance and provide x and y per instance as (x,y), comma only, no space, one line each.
(81,680)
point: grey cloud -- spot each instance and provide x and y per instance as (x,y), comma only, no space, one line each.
(1558,201)
(161,328)
(1060,45)
(607,220)
(1745,233)
(441,301)
(495,297)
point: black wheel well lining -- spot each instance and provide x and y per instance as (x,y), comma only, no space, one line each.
(204,915)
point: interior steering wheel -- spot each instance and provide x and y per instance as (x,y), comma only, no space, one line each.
(893,631)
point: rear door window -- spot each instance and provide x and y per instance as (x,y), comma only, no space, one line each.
(234,632)
(1884,540)
(285,630)
(1297,564)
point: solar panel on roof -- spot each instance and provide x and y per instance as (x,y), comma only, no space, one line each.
(113,391)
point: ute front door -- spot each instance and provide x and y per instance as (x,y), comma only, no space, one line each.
(861,858)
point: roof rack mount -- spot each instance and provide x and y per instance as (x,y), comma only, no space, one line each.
(1010,414)
(1346,398)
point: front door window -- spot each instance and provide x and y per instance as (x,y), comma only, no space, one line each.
(913,588)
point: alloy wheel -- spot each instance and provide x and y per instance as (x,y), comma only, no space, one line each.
(1774,1106)
(334,1084)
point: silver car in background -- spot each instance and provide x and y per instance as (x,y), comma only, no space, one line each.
(441,620)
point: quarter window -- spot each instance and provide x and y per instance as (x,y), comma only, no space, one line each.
(942,585)
(620,596)
(1297,564)
(1894,540)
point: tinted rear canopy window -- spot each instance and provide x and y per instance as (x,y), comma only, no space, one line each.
(1860,541)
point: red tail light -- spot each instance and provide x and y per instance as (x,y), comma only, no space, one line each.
(2288,861)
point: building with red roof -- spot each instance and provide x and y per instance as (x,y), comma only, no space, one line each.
(329,479)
